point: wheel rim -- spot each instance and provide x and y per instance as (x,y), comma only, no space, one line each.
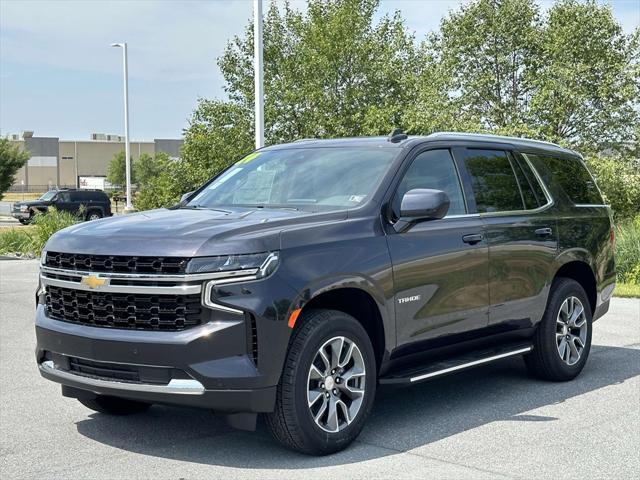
(571,330)
(336,384)
(94,216)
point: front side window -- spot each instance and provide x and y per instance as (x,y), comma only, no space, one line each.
(433,169)
(303,178)
(493,180)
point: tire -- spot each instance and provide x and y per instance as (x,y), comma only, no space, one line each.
(545,360)
(292,423)
(93,215)
(24,221)
(114,405)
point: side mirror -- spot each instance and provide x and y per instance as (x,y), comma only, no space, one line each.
(185,196)
(421,204)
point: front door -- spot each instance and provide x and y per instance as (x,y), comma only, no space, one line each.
(440,267)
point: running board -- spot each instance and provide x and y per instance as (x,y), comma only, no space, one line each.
(455,364)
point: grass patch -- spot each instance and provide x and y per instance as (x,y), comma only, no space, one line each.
(19,197)
(627,290)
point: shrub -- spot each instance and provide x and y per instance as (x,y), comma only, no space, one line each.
(619,180)
(15,240)
(31,241)
(628,251)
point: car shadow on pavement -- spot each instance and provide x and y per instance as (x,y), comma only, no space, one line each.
(402,419)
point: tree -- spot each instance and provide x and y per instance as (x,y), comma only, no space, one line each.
(146,168)
(116,173)
(586,87)
(568,77)
(11,160)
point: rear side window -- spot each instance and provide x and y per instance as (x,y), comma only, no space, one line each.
(494,182)
(432,169)
(575,179)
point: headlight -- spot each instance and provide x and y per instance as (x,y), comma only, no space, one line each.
(24,208)
(43,257)
(265,263)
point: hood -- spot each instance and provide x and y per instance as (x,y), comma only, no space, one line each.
(185,232)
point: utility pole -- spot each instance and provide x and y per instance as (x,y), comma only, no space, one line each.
(127,150)
(258,72)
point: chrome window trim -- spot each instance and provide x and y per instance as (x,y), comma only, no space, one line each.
(175,386)
(590,205)
(532,211)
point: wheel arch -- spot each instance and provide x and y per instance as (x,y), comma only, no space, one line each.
(360,304)
(581,272)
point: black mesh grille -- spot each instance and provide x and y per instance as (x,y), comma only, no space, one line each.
(117,264)
(103,370)
(123,310)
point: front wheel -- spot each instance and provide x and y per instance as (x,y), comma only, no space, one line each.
(563,339)
(114,405)
(328,384)
(94,215)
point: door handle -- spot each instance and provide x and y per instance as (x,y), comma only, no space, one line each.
(473,238)
(544,232)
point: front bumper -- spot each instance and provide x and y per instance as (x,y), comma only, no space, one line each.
(20,215)
(214,370)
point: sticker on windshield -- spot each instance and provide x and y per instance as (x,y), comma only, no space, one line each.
(356,198)
(248,158)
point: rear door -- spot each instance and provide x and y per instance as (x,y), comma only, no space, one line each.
(520,230)
(440,267)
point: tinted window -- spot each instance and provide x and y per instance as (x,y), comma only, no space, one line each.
(494,182)
(433,169)
(64,197)
(532,192)
(574,178)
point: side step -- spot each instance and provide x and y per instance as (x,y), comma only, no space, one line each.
(454,364)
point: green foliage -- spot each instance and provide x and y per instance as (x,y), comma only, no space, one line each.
(619,179)
(147,168)
(15,240)
(628,251)
(11,160)
(116,173)
(163,190)
(502,66)
(31,240)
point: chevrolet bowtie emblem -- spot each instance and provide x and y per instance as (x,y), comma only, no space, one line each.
(92,281)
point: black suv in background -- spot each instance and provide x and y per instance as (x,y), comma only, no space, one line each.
(89,204)
(305,275)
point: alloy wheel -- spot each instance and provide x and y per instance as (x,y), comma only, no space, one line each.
(571,330)
(336,384)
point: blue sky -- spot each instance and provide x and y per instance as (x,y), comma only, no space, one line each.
(59,77)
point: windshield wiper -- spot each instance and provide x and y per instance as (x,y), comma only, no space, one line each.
(285,207)
(204,207)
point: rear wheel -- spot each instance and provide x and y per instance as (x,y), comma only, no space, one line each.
(114,405)
(563,339)
(94,215)
(327,386)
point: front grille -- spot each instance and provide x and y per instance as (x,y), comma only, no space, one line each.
(104,370)
(116,264)
(123,310)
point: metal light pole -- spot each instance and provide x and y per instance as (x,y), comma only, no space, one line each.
(258,72)
(127,151)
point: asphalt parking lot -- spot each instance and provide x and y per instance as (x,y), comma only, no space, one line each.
(492,422)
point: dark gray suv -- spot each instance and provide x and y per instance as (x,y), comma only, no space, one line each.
(306,275)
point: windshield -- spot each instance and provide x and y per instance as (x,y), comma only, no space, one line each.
(301,178)
(48,195)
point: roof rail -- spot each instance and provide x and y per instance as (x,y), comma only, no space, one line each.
(305,139)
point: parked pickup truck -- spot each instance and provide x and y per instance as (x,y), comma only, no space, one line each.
(306,275)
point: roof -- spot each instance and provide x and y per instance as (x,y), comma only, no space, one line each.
(383,142)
